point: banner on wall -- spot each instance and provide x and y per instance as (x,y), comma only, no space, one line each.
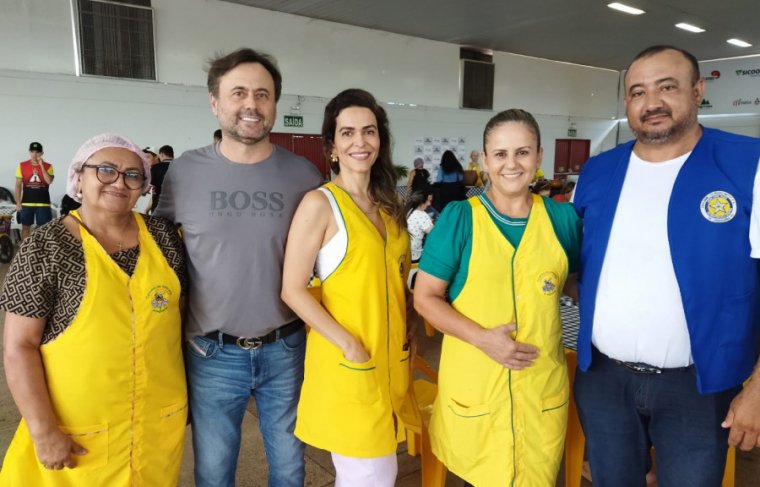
(431,150)
(732,86)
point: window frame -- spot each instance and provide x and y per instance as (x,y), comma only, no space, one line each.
(79,62)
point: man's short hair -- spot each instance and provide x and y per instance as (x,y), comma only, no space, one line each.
(652,50)
(218,135)
(166,150)
(222,64)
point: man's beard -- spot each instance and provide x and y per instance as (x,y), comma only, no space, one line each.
(234,133)
(665,135)
(247,140)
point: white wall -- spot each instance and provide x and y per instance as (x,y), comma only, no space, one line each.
(36,35)
(62,111)
(43,100)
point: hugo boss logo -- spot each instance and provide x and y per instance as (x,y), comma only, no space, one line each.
(242,200)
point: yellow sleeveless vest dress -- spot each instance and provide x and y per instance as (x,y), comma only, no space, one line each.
(116,378)
(345,407)
(492,426)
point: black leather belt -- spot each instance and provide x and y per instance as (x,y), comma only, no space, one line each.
(642,368)
(637,367)
(252,343)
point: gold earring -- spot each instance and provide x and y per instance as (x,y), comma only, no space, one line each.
(333,158)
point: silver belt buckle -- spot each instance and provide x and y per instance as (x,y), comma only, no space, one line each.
(642,368)
(249,343)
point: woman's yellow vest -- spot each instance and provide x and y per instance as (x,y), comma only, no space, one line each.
(116,378)
(490,425)
(350,408)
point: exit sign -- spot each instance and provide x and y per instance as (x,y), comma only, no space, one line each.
(293,121)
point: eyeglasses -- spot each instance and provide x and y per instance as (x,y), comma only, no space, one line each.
(109,175)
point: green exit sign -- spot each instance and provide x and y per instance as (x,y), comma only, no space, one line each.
(293,121)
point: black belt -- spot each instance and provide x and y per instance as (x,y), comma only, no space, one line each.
(641,367)
(252,343)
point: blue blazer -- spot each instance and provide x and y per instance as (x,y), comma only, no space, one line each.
(708,231)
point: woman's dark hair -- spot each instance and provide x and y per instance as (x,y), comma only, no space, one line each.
(512,115)
(450,164)
(221,65)
(420,179)
(382,176)
(541,185)
(416,199)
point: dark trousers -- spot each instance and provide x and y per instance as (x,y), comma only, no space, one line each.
(624,413)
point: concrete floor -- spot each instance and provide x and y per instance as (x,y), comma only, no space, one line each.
(252,466)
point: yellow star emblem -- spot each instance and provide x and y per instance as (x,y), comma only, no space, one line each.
(719,206)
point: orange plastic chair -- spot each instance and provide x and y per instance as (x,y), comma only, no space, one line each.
(575,441)
(415,415)
(429,330)
(730,472)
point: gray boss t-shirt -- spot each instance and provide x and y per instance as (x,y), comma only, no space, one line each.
(235,220)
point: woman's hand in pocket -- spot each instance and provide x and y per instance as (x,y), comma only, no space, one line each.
(355,352)
(56,450)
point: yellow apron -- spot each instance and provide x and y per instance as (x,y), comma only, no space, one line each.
(351,408)
(492,426)
(116,378)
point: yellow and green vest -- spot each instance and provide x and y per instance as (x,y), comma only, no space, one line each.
(490,425)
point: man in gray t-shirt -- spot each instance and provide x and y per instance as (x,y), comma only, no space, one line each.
(235,200)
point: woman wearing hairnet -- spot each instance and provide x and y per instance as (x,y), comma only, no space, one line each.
(93,352)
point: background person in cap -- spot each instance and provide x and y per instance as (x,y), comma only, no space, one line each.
(92,336)
(33,179)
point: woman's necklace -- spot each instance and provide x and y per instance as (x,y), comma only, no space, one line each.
(107,242)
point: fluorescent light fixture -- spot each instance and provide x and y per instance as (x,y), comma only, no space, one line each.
(689,27)
(739,42)
(625,8)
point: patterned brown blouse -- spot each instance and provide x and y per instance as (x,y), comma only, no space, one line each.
(47,277)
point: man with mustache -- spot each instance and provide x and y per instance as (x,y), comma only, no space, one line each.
(669,287)
(234,200)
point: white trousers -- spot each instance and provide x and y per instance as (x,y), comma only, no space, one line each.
(365,472)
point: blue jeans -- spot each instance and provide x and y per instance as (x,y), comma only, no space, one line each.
(221,379)
(624,413)
(31,214)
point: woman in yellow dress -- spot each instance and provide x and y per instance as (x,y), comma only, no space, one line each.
(92,340)
(352,231)
(490,279)
(474,165)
